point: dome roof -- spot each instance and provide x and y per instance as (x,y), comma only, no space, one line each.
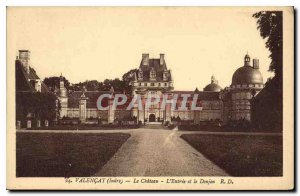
(212,87)
(247,75)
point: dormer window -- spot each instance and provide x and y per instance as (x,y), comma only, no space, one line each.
(152,74)
(140,75)
(165,75)
(38,86)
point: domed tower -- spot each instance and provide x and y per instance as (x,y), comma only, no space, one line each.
(247,81)
(63,97)
(213,86)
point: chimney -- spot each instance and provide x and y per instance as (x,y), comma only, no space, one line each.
(145,59)
(24,57)
(255,63)
(162,59)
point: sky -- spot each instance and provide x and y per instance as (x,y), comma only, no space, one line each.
(97,43)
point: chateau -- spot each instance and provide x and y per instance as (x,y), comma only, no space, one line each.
(153,77)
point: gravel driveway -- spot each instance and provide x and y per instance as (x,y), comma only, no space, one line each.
(153,152)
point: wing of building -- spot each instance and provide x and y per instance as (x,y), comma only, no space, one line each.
(32,95)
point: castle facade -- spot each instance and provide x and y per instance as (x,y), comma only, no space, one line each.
(154,78)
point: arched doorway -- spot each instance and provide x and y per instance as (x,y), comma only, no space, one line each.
(152,118)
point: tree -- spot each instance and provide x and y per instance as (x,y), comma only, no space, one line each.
(127,77)
(267,106)
(269,24)
(53,82)
(91,85)
(94,85)
(40,105)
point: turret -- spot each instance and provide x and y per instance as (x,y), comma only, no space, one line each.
(61,81)
(213,86)
(213,80)
(62,89)
(63,97)
(247,60)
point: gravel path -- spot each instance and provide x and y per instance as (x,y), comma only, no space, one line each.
(152,152)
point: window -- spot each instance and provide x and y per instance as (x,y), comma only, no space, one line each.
(145,84)
(188,106)
(140,74)
(152,73)
(140,84)
(166,84)
(152,84)
(158,84)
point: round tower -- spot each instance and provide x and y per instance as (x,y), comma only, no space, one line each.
(247,81)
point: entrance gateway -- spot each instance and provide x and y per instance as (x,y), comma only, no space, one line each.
(152,118)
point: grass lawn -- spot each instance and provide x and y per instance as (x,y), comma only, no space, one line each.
(241,155)
(65,154)
(87,127)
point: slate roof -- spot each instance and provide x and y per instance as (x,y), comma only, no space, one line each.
(23,79)
(91,99)
(202,95)
(32,74)
(159,69)
(213,87)
(91,96)
(247,75)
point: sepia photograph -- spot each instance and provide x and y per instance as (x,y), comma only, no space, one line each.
(150,98)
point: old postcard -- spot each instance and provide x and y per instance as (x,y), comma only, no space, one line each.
(150,98)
